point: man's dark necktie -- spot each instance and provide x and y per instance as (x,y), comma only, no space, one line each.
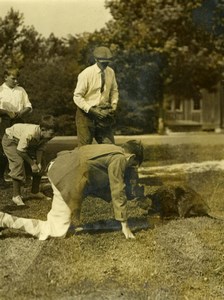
(102,81)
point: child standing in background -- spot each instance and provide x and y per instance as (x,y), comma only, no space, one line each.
(14,106)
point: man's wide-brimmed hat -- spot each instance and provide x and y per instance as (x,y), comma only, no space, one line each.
(103,54)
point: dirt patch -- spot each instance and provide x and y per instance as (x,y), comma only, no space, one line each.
(173,259)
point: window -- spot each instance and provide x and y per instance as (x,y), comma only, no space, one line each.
(174,105)
(178,104)
(169,105)
(196,104)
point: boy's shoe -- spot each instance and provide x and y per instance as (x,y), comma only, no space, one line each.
(18,200)
(43,237)
(39,195)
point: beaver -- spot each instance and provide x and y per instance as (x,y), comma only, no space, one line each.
(177,201)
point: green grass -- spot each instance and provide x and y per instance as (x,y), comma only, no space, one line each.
(177,259)
(167,154)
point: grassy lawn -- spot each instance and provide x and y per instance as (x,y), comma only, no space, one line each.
(174,259)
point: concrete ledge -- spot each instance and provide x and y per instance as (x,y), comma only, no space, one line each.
(203,139)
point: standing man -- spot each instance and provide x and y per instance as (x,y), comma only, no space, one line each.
(96,97)
(14,105)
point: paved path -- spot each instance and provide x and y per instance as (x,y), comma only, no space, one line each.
(202,138)
(60,143)
(178,138)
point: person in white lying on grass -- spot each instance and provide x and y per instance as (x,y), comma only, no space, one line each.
(72,175)
(25,143)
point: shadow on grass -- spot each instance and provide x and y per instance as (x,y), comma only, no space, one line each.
(10,208)
(6,233)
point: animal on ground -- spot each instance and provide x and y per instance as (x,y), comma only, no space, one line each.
(176,201)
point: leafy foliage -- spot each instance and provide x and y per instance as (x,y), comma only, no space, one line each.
(162,49)
(191,55)
(49,67)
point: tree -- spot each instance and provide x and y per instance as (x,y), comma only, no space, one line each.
(17,42)
(49,68)
(50,83)
(169,28)
(188,55)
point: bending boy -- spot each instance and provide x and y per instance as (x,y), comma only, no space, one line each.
(25,143)
(73,175)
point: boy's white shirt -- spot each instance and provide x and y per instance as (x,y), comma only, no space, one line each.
(23,134)
(13,100)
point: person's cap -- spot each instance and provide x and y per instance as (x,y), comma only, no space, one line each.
(103,54)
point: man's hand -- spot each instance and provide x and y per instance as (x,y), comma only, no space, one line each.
(35,168)
(17,115)
(111,112)
(98,113)
(126,231)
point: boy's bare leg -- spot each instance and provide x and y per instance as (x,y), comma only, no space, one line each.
(16,187)
(17,199)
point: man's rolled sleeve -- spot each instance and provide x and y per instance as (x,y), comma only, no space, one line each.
(79,93)
(23,144)
(27,103)
(114,94)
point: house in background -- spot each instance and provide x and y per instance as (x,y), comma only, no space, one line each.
(205,113)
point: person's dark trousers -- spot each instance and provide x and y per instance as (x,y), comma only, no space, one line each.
(87,130)
(36,183)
